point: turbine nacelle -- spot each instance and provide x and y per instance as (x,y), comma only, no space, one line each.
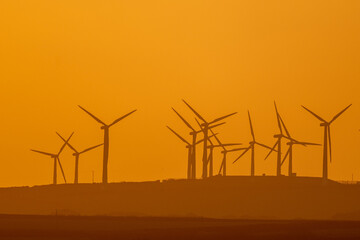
(324,124)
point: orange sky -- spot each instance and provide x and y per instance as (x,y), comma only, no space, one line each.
(221,56)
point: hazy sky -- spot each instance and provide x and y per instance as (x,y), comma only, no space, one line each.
(221,56)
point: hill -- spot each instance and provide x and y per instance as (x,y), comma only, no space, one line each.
(262,197)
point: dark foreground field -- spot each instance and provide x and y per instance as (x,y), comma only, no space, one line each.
(72,227)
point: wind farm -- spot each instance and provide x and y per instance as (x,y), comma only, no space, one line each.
(215,182)
(205,129)
(180,119)
(213,194)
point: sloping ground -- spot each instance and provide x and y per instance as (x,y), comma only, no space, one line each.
(218,197)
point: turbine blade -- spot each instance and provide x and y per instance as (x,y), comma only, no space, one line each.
(181,138)
(338,115)
(67,143)
(263,145)
(277,142)
(251,127)
(290,138)
(329,142)
(93,116)
(308,143)
(183,119)
(90,148)
(221,167)
(318,117)
(45,153)
(197,121)
(196,113)
(283,124)
(62,170)
(287,153)
(218,140)
(223,117)
(121,118)
(242,154)
(200,141)
(278,118)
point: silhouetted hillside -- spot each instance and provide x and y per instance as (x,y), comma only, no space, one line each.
(217,197)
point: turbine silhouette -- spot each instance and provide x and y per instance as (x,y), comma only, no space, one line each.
(77,156)
(106,127)
(223,166)
(327,138)
(190,148)
(206,125)
(252,147)
(210,161)
(277,143)
(193,133)
(56,157)
(289,152)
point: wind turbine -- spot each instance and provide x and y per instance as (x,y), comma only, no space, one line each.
(206,125)
(327,138)
(252,147)
(224,152)
(106,127)
(278,143)
(211,154)
(193,133)
(289,152)
(77,156)
(190,148)
(210,161)
(56,158)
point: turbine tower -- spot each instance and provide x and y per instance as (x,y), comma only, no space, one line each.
(77,156)
(56,158)
(277,144)
(327,138)
(289,152)
(205,127)
(192,149)
(252,147)
(106,127)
